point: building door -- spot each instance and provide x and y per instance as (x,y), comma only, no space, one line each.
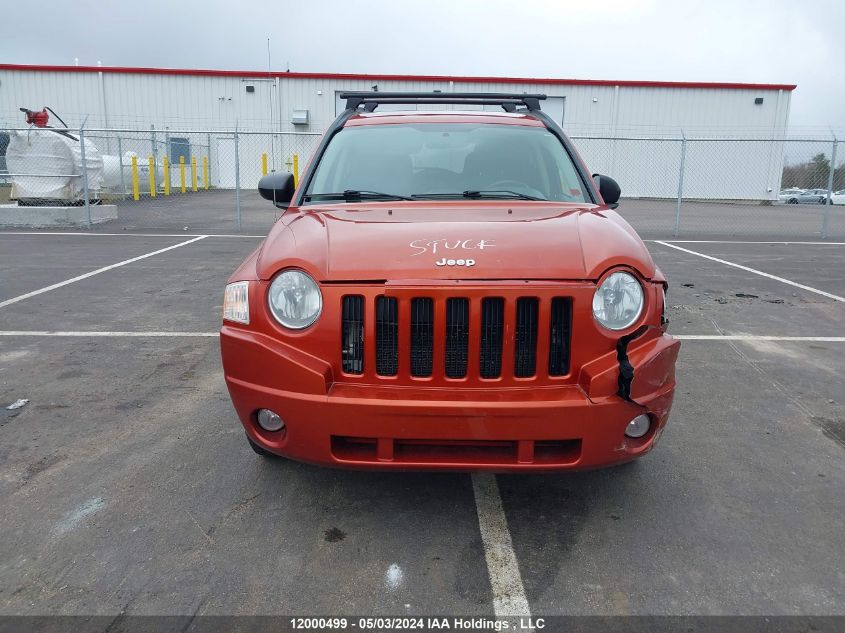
(223,173)
(553,106)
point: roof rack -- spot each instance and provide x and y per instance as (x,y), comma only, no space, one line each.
(371,100)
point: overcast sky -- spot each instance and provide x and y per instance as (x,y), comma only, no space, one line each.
(779,41)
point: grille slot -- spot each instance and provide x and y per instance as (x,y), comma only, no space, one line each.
(352,352)
(492,328)
(525,337)
(387,336)
(559,334)
(457,337)
(422,337)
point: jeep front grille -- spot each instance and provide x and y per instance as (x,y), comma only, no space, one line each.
(492,330)
(456,337)
(422,336)
(559,331)
(525,338)
(352,353)
(387,336)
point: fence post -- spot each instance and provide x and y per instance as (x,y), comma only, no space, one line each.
(153,142)
(826,217)
(152,162)
(165,168)
(680,184)
(84,174)
(208,155)
(136,193)
(120,161)
(237,183)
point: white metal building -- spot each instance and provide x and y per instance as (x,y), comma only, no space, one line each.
(609,120)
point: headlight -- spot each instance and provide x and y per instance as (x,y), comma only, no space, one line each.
(618,301)
(295,299)
(236,302)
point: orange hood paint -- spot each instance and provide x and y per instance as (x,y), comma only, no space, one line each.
(471,240)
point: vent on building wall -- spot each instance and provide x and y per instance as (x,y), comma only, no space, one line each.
(250,88)
(758,101)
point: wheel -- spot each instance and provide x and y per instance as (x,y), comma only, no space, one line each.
(259,450)
(792,201)
(822,200)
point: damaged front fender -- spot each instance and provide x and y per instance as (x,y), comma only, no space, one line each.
(640,370)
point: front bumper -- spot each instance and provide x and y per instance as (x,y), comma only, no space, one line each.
(563,427)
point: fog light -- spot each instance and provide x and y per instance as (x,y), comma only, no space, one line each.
(638,427)
(270,420)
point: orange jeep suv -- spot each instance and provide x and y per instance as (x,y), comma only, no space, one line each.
(448,289)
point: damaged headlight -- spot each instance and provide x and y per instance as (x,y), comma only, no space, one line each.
(295,299)
(618,301)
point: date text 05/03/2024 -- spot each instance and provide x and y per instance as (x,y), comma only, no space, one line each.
(418,623)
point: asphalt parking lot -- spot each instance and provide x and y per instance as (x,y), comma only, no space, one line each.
(127,485)
(215,212)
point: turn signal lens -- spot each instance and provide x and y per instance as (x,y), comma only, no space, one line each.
(236,302)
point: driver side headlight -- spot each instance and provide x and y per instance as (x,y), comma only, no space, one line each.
(295,299)
(618,301)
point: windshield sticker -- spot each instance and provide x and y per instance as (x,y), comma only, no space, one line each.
(424,246)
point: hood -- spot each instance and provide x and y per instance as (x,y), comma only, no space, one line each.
(455,240)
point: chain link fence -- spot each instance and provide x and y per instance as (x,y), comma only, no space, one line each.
(206,180)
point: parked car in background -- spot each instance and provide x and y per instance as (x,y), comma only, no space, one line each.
(790,196)
(838,197)
(812,196)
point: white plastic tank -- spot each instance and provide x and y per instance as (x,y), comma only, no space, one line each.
(113,183)
(46,164)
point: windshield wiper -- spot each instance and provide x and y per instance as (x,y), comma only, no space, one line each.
(504,194)
(354,194)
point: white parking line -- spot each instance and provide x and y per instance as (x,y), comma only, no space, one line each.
(163,334)
(34,293)
(128,234)
(110,334)
(755,271)
(505,580)
(747,242)
(756,337)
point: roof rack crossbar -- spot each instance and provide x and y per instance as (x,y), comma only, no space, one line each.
(508,101)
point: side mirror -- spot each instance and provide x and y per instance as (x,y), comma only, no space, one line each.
(278,187)
(609,190)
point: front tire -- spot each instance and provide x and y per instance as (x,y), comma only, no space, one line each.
(259,450)
(792,201)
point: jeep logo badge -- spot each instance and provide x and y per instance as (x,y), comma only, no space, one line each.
(455,262)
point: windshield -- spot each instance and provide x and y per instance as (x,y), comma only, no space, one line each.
(442,161)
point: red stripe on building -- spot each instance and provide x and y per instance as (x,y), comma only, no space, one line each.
(200,72)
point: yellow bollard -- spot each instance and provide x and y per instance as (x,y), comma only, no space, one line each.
(296,170)
(264,164)
(205,171)
(193,173)
(152,177)
(136,194)
(166,170)
(182,172)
